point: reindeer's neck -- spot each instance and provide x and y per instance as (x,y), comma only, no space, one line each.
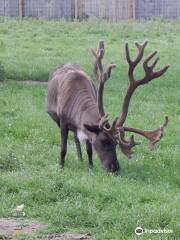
(82,108)
(91,115)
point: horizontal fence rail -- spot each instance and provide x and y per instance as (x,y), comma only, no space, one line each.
(113,10)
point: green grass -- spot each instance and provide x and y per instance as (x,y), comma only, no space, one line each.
(146,191)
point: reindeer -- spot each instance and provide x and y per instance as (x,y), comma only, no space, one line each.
(74,104)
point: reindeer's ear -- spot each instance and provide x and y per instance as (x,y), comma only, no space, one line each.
(92,128)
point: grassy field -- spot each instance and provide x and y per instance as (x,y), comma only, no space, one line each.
(146,191)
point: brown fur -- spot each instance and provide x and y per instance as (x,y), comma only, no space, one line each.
(71,102)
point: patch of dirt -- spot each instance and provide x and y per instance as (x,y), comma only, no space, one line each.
(31,82)
(10,227)
(66,236)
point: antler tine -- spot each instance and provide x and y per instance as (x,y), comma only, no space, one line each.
(127,53)
(145,64)
(155,63)
(109,69)
(153,136)
(126,146)
(165,123)
(95,67)
(141,48)
(132,142)
(162,71)
(149,73)
(98,54)
(101,44)
(133,64)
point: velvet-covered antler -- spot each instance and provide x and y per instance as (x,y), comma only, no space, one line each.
(155,135)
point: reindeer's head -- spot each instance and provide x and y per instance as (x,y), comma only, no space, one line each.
(108,136)
(105,147)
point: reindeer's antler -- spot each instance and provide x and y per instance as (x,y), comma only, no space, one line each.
(100,74)
(98,54)
(155,135)
(126,146)
(117,129)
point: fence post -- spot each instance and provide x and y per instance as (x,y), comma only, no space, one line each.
(134,9)
(20,9)
(76,9)
(30,8)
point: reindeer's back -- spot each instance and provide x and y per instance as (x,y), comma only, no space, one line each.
(70,92)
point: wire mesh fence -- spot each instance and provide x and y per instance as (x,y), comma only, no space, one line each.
(104,9)
(157,8)
(113,10)
(9,8)
(48,9)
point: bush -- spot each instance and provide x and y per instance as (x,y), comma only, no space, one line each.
(2,72)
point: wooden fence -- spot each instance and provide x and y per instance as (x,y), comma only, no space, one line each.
(113,10)
(157,8)
(38,8)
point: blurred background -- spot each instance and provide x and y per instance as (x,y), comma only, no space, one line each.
(113,10)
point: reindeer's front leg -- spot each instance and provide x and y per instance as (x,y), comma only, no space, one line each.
(78,146)
(64,137)
(89,152)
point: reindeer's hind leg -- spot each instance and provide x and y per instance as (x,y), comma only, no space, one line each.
(64,137)
(78,146)
(89,152)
